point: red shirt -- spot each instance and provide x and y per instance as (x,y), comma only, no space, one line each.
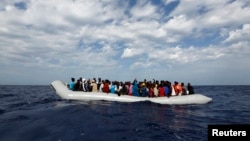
(105,88)
(161,91)
(151,92)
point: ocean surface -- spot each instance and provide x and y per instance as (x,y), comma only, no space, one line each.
(36,113)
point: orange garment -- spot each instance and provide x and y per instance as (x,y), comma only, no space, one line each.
(177,89)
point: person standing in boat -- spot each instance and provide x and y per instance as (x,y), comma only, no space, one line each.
(85,86)
(99,83)
(106,86)
(161,90)
(113,87)
(123,90)
(130,88)
(156,91)
(101,86)
(81,82)
(177,88)
(184,89)
(169,87)
(190,89)
(72,84)
(77,86)
(151,89)
(89,86)
(166,89)
(94,79)
(94,86)
(135,88)
(144,90)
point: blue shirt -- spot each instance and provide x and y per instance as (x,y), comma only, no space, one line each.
(71,86)
(135,89)
(166,90)
(112,89)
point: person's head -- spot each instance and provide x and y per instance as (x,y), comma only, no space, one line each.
(143,84)
(182,84)
(73,79)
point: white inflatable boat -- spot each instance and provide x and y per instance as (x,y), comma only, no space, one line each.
(62,91)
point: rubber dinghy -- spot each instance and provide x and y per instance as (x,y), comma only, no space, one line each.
(62,91)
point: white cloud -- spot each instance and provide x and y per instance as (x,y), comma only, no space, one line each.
(179,27)
(169,1)
(144,10)
(130,52)
(239,34)
(212,15)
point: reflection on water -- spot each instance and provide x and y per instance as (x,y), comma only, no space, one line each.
(179,121)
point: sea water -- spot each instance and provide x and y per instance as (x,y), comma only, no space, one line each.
(36,113)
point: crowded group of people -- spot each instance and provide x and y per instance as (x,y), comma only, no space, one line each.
(143,88)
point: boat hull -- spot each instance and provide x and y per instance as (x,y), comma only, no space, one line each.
(62,91)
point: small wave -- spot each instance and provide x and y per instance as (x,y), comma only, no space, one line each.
(43,101)
(2,111)
(21,117)
(6,95)
(19,104)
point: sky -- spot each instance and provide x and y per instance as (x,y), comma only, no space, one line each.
(196,41)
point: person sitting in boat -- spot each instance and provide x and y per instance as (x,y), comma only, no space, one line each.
(190,88)
(72,84)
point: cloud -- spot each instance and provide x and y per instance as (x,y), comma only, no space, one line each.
(130,52)
(144,9)
(122,39)
(239,34)
(169,1)
(179,27)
